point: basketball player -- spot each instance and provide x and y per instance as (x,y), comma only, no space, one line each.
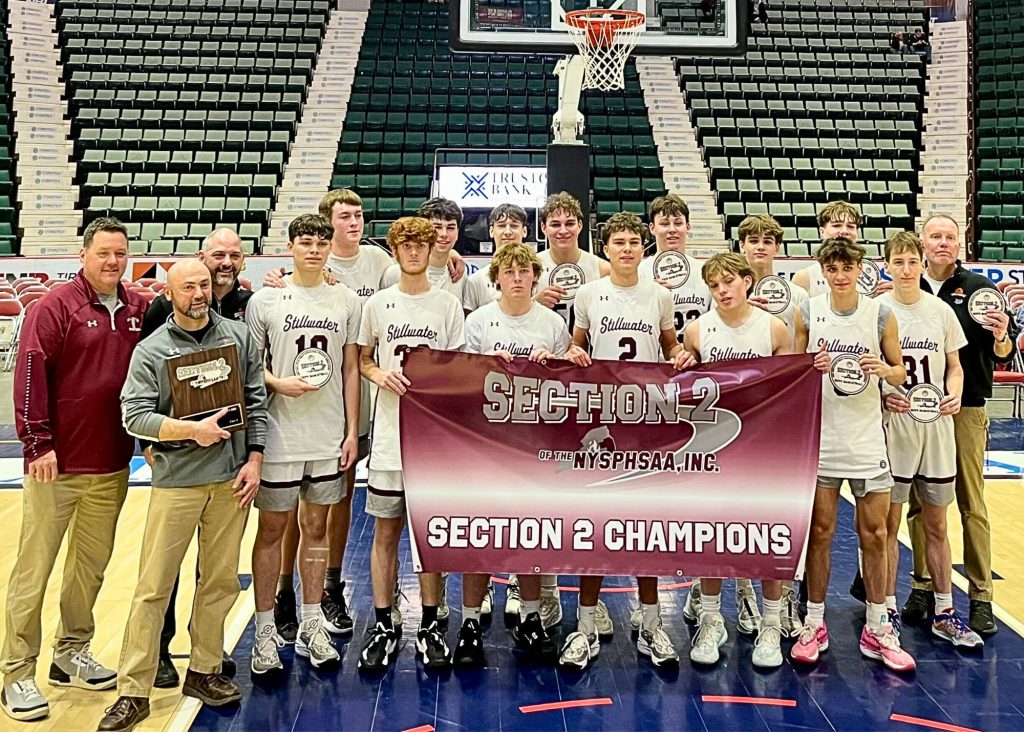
(507,226)
(565,267)
(642,328)
(670,225)
(922,451)
(514,326)
(306,333)
(412,313)
(862,336)
(836,220)
(735,329)
(446,217)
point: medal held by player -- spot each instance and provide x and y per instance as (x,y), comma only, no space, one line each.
(870,276)
(672,268)
(924,403)
(205,382)
(984,300)
(776,293)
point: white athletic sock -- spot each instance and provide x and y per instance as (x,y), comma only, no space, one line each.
(265,622)
(548,583)
(877,615)
(309,613)
(586,623)
(711,603)
(815,614)
(528,606)
(651,615)
(471,613)
(943,602)
(890,602)
(772,612)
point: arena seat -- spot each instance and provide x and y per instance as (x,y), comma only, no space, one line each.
(1000,113)
(183,111)
(819,108)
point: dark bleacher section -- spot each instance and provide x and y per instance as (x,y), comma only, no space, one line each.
(184,110)
(8,212)
(820,108)
(412,95)
(999,30)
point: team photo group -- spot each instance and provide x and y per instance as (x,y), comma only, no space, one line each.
(316,355)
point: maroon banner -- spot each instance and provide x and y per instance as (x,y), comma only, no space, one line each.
(620,468)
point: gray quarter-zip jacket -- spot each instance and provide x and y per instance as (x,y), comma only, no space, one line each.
(146,402)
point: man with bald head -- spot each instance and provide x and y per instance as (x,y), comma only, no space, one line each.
(223,256)
(203,477)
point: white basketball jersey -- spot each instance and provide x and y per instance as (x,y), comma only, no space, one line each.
(569,275)
(928,331)
(439,277)
(489,330)
(720,342)
(391,318)
(364,275)
(303,331)
(689,301)
(816,282)
(624,323)
(479,289)
(852,440)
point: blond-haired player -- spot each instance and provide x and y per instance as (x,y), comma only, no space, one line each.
(836,220)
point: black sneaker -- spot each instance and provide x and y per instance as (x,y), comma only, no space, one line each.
(919,608)
(335,610)
(981,619)
(227,666)
(166,674)
(379,651)
(432,649)
(469,651)
(857,591)
(285,617)
(532,639)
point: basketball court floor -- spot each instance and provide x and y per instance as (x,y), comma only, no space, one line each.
(951,690)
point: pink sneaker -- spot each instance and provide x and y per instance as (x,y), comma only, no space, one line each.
(813,641)
(885,647)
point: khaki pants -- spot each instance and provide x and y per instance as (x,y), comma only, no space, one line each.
(85,507)
(970,427)
(174,514)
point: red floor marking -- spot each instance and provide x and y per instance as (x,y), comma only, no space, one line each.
(421,728)
(668,586)
(598,702)
(761,700)
(930,723)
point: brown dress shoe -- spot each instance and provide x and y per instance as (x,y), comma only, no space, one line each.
(216,690)
(126,712)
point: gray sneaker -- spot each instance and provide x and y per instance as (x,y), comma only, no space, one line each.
(791,623)
(264,657)
(78,668)
(23,701)
(578,651)
(603,622)
(396,607)
(314,643)
(657,646)
(550,608)
(442,607)
(748,615)
(487,606)
(691,608)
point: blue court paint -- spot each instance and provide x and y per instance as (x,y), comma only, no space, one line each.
(844,692)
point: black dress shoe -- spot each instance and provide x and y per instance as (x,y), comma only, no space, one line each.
(227,666)
(981,619)
(919,608)
(166,674)
(126,712)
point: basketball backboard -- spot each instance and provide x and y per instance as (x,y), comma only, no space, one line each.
(673,27)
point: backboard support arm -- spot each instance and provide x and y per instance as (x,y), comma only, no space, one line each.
(567,125)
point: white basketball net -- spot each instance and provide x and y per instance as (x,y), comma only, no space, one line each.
(605,39)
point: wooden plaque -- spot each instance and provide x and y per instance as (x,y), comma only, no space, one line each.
(204,382)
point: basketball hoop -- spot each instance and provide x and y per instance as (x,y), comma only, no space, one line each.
(605,38)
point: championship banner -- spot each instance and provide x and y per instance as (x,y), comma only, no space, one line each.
(620,468)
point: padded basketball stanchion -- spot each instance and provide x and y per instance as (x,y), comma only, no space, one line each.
(569,171)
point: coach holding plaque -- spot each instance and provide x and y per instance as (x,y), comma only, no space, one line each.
(981,310)
(194,389)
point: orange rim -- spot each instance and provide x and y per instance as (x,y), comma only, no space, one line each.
(620,20)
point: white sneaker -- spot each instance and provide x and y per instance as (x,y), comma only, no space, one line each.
(23,701)
(550,607)
(768,646)
(748,616)
(658,646)
(791,624)
(636,619)
(711,635)
(603,622)
(578,651)
(264,657)
(487,606)
(79,669)
(691,608)
(513,601)
(314,643)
